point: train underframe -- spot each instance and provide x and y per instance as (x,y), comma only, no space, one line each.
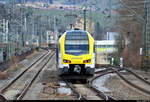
(76,71)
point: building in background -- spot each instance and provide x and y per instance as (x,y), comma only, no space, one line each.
(104,49)
(50,37)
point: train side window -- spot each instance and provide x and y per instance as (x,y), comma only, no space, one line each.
(59,47)
(59,36)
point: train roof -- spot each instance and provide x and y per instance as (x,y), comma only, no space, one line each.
(76,35)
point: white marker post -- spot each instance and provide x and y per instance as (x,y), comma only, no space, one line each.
(112,61)
(141,51)
(121,62)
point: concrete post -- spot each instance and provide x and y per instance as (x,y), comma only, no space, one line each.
(112,61)
(121,62)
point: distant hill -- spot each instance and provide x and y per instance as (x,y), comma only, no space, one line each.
(100,5)
(46,1)
(72,2)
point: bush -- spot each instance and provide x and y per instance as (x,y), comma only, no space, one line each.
(116,61)
(146,64)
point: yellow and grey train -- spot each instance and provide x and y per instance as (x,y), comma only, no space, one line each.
(76,53)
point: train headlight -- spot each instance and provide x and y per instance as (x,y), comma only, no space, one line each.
(87,61)
(67,61)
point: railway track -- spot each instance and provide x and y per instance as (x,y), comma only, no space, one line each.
(143,86)
(100,74)
(81,95)
(83,92)
(103,71)
(18,87)
(139,77)
(78,94)
(81,89)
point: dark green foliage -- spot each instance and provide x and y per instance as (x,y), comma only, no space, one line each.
(116,61)
(146,64)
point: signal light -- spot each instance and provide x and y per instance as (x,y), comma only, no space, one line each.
(66,61)
(87,61)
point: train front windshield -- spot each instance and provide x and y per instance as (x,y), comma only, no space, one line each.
(76,44)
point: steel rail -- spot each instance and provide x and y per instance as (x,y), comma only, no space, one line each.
(2,98)
(112,70)
(79,95)
(103,71)
(139,77)
(132,84)
(89,85)
(100,93)
(108,69)
(20,97)
(16,78)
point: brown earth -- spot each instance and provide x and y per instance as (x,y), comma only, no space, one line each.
(33,54)
(3,75)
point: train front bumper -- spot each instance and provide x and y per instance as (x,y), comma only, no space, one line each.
(90,70)
(62,71)
(65,70)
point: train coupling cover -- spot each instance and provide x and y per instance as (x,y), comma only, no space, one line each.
(77,69)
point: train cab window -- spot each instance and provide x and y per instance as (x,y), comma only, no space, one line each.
(76,43)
